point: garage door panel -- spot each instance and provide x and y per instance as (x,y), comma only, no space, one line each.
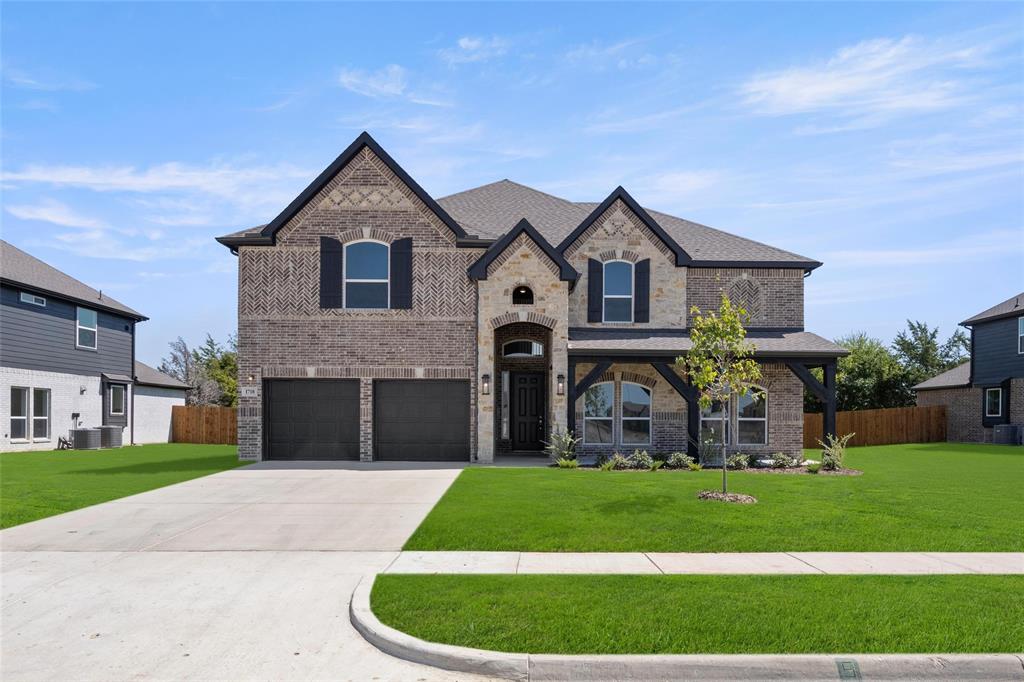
(424,420)
(312,419)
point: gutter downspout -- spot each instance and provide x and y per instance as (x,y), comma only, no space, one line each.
(131,419)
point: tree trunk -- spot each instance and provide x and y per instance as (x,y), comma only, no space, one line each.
(725,415)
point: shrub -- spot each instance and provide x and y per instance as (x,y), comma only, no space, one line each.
(834,451)
(708,451)
(780,460)
(561,446)
(814,467)
(678,460)
(564,463)
(694,466)
(616,461)
(640,460)
(657,464)
(738,461)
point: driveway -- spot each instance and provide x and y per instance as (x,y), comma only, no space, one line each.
(245,574)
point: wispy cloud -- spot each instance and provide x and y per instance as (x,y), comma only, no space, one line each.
(469,49)
(621,55)
(970,247)
(867,83)
(54,212)
(107,245)
(389,81)
(45,81)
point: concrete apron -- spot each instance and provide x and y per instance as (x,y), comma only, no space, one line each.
(650,668)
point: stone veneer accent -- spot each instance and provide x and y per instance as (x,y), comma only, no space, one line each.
(620,235)
(283,333)
(785,412)
(521,264)
(529,331)
(773,297)
(963,410)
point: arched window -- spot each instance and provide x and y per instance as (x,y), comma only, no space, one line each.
(367,269)
(598,403)
(635,414)
(522,348)
(752,418)
(618,291)
(522,295)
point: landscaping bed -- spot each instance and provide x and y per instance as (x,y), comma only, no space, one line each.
(931,497)
(34,485)
(738,614)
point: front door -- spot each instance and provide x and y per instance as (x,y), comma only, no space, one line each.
(527,410)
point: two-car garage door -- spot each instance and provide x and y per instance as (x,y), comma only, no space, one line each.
(424,420)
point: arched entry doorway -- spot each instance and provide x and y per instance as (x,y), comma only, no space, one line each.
(522,367)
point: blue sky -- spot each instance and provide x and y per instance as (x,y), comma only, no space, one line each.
(886,140)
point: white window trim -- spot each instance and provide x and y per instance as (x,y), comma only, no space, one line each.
(32,299)
(27,416)
(764,397)
(49,405)
(623,418)
(610,419)
(605,296)
(345,280)
(124,399)
(1020,336)
(95,330)
(999,392)
(536,344)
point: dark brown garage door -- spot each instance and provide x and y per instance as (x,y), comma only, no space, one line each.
(421,420)
(312,419)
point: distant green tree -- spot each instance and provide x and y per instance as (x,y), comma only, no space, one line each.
(922,356)
(870,377)
(221,364)
(211,370)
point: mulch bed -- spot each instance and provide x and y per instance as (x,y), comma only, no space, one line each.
(800,470)
(738,498)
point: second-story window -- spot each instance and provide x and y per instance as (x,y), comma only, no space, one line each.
(367,266)
(86,328)
(1020,335)
(618,291)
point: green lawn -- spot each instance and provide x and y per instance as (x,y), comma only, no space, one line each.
(934,497)
(34,485)
(708,614)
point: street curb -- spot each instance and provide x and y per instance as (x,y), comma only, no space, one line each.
(651,668)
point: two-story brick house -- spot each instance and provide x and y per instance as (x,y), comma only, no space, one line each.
(987,390)
(375,322)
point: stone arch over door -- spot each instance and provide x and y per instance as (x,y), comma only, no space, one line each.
(512,410)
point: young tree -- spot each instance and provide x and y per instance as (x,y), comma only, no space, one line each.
(719,362)
(922,356)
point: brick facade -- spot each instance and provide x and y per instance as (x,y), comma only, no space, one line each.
(963,410)
(773,297)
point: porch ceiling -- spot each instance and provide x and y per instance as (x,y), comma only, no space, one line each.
(766,344)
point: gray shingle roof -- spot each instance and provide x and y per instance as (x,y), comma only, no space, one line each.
(767,344)
(147,376)
(1008,308)
(951,378)
(18,267)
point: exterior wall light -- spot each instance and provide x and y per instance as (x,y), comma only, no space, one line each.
(560,385)
(486,384)
(251,377)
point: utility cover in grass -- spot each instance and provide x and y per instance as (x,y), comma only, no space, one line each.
(738,498)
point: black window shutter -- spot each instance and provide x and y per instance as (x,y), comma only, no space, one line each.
(595,290)
(332,274)
(401,274)
(642,291)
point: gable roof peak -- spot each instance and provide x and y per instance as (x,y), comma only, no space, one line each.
(478,270)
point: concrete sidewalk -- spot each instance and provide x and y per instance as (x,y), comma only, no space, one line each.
(831,563)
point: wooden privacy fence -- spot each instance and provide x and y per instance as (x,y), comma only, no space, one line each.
(883,427)
(204,424)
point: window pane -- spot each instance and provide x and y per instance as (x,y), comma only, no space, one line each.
(618,279)
(366,260)
(618,309)
(751,433)
(597,401)
(87,318)
(117,399)
(40,428)
(711,429)
(714,411)
(993,406)
(531,348)
(598,431)
(18,428)
(752,405)
(87,338)
(40,402)
(19,402)
(636,401)
(636,431)
(362,295)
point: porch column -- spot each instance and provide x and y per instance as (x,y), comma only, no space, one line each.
(829,401)
(570,398)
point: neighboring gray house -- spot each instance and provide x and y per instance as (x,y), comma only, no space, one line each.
(987,390)
(155,394)
(67,354)
(377,323)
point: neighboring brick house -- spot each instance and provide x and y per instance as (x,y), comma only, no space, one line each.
(987,390)
(67,360)
(376,323)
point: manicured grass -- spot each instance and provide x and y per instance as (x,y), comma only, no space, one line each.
(708,614)
(34,485)
(934,497)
